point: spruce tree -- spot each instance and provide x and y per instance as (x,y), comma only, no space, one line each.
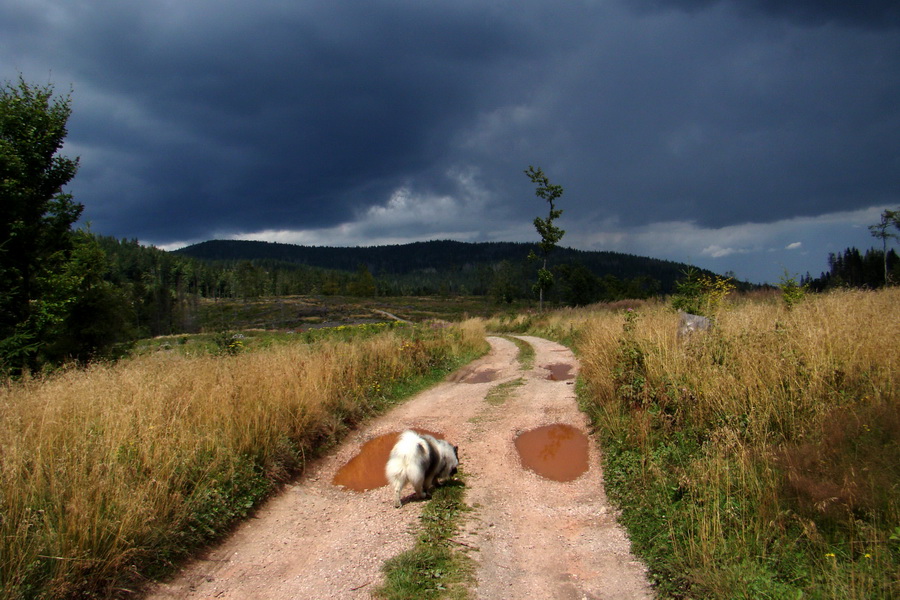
(36,217)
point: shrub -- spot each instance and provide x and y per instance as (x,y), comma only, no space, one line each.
(701,294)
(791,292)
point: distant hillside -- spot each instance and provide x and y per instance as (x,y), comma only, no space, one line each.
(441,259)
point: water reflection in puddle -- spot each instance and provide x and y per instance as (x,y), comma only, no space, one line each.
(560,372)
(365,471)
(558,452)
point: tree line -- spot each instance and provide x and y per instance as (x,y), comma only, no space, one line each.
(872,269)
(856,269)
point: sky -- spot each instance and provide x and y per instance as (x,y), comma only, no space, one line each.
(750,137)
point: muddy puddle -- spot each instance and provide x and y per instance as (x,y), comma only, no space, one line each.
(558,452)
(365,471)
(560,372)
(471,375)
(483,376)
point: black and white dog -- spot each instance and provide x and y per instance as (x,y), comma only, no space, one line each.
(421,460)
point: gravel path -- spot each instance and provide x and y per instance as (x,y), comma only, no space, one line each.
(535,538)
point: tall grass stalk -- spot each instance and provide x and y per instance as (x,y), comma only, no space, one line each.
(760,459)
(110,472)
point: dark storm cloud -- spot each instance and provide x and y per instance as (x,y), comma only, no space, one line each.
(874,14)
(200,119)
(269,115)
(715,120)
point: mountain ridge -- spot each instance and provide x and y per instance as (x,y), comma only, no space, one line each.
(435,256)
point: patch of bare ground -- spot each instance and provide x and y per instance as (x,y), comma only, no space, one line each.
(530,537)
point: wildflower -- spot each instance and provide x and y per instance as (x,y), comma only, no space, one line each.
(829,555)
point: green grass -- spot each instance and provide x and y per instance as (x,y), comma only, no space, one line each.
(234,341)
(762,459)
(526,353)
(437,567)
(231,326)
(500,393)
(301,313)
(450,308)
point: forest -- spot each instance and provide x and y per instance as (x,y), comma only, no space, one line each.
(164,288)
(499,269)
(855,269)
(108,292)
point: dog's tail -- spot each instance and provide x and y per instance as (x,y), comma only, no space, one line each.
(405,464)
(407,452)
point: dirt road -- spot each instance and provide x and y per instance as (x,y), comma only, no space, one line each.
(535,538)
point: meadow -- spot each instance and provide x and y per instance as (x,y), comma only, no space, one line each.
(111,474)
(760,459)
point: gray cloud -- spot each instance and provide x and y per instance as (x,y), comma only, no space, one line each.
(867,14)
(304,116)
(204,119)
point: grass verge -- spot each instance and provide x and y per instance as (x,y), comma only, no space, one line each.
(760,459)
(112,474)
(436,567)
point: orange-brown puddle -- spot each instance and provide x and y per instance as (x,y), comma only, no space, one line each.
(560,372)
(558,452)
(365,471)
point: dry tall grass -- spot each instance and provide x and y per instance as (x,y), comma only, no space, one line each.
(765,453)
(107,470)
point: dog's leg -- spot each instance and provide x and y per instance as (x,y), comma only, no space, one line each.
(430,484)
(398,486)
(421,490)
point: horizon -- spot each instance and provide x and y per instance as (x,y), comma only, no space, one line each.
(535,243)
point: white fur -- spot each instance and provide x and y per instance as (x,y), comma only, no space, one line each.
(420,460)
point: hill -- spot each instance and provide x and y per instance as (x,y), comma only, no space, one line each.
(446,261)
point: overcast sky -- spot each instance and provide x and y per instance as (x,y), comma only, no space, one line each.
(753,136)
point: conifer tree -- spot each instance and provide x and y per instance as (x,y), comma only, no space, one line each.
(35,220)
(889,218)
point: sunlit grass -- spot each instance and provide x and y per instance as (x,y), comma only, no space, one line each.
(761,459)
(110,472)
(526,353)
